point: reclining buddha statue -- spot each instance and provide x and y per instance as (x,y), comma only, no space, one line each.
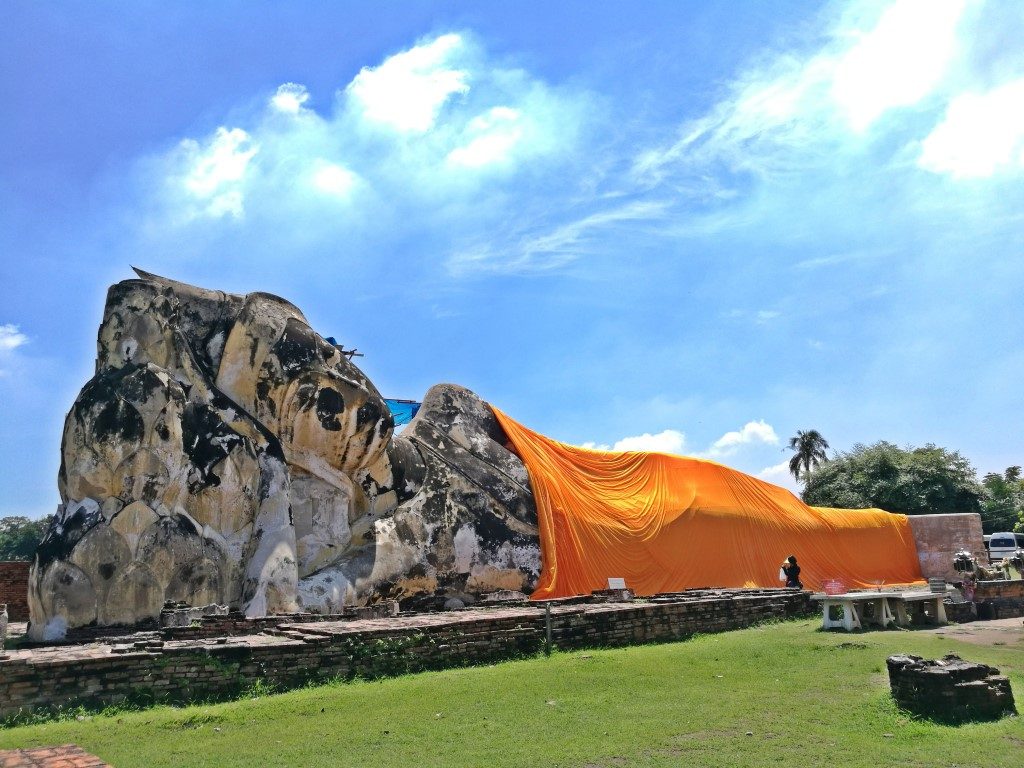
(224,452)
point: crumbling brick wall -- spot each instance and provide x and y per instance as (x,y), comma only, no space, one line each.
(938,537)
(14,588)
(292,654)
(1001,599)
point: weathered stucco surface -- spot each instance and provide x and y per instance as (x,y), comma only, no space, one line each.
(224,452)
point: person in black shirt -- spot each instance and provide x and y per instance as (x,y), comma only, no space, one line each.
(792,571)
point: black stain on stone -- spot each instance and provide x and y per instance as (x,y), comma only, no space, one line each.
(107,570)
(118,420)
(408,470)
(140,385)
(418,571)
(185,526)
(151,488)
(105,407)
(493,531)
(305,396)
(207,441)
(263,390)
(221,402)
(329,405)
(297,347)
(62,537)
(370,413)
(371,435)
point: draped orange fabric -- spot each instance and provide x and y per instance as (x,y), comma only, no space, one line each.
(666,523)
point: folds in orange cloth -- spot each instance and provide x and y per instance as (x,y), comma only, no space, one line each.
(667,523)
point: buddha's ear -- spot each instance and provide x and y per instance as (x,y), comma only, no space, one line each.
(259,325)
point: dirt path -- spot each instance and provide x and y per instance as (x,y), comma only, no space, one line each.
(1002,632)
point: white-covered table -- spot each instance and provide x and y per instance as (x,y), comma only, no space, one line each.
(852,605)
(933,599)
(888,608)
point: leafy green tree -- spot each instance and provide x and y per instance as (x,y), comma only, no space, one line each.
(1003,506)
(914,481)
(809,452)
(20,536)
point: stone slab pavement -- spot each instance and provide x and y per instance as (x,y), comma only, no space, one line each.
(64,756)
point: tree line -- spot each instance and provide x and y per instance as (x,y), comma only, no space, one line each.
(19,536)
(912,481)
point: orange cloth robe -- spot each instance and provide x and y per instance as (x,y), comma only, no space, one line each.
(666,523)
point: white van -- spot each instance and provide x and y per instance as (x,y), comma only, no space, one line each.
(1002,545)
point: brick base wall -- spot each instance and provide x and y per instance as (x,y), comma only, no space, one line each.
(1000,599)
(292,654)
(14,589)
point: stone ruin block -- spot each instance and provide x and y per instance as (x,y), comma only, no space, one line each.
(949,690)
(612,596)
(504,597)
(182,614)
(384,609)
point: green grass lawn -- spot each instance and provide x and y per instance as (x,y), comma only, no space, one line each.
(806,698)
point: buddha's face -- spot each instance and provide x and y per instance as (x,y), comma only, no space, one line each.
(326,413)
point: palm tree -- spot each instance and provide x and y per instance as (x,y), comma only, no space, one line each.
(810,450)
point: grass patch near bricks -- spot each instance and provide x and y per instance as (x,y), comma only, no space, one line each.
(804,697)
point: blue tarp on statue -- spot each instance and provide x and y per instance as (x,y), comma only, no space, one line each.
(402,410)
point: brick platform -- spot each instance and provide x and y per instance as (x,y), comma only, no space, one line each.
(145,667)
(65,756)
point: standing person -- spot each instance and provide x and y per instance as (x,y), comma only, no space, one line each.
(792,572)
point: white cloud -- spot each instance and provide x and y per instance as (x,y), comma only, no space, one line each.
(11,338)
(779,474)
(899,62)
(290,98)
(795,106)
(445,141)
(406,138)
(751,432)
(667,441)
(493,137)
(981,134)
(672,441)
(333,179)
(764,315)
(214,171)
(558,247)
(409,89)
(848,257)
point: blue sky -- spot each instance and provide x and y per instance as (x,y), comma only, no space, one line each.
(692,227)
